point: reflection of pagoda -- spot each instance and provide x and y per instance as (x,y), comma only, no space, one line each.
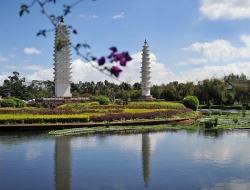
(146,157)
(62,163)
(0,162)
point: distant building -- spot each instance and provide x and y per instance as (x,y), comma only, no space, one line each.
(62,65)
(231,85)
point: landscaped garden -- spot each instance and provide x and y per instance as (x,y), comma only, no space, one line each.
(93,112)
(14,111)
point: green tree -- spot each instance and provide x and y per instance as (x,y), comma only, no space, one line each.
(241,94)
(156,91)
(134,94)
(14,86)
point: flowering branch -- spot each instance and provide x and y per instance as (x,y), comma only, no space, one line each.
(113,70)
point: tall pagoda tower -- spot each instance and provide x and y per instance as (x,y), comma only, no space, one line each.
(145,73)
(62,65)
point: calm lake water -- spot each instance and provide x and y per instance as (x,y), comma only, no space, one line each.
(165,160)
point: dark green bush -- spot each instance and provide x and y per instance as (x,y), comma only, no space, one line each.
(213,122)
(235,119)
(103,100)
(191,102)
(8,103)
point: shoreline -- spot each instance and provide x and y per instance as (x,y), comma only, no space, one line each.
(58,126)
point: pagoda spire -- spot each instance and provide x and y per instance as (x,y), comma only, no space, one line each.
(145,72)
(62,19)
(62,65)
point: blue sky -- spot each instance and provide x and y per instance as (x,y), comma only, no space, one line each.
(188,40)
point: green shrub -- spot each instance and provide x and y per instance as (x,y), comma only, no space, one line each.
(8,103)
(103,100)
(19,103)
(213,122)
(243,110)
(191,102)
(208,113)
(235,119)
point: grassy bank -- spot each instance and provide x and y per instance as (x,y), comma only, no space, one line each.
(140,129)
(121,129)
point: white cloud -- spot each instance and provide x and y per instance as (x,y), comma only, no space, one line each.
(130,143)
(46,74)
(192,62)
(31,51)
(232,184)
(88,16)
(3,58)
(33,67)
(225,9)
(221,50)
(207,72)
(11,67)
(245,39)
(3,77)
(32,154)
(160,74)
(30,67)
(120,15)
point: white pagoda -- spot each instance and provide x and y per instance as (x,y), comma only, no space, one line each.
(145,73)
(62,65)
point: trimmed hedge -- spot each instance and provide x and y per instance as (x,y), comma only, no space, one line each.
(191,102)
(30,119)
(155,105)
(94,103)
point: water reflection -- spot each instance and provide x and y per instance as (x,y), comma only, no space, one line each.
(63,163)
(211,133)
(237,184)
(0,162)
(200,160)
(146,157)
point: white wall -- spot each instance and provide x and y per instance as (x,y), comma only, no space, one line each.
(62,90)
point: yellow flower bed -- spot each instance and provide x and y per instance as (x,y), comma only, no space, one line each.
(167,105)
(131,110)
(29,119)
